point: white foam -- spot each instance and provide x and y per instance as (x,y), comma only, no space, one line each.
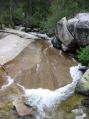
(40,35)
(79,113)
(9,82)
(76,74)
(45,100)
(60,53)
(37,67)
(83,116)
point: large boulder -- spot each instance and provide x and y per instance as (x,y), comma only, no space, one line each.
(73,31)
(83,84)
(63,33)
(79,28)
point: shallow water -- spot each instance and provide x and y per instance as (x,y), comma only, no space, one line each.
(38,66)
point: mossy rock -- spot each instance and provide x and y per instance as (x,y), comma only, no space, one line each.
(83,84)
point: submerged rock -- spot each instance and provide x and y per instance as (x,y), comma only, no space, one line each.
(83,84)
(11,46)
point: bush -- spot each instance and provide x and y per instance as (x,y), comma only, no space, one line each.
(18,14)
(83,55)
(28,12)
(5,18)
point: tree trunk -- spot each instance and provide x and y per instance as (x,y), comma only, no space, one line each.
(11,16)
(0,14)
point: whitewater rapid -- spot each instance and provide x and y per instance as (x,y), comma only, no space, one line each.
(45,101)
(9,81)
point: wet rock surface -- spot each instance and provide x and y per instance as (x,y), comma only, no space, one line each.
(38,66)
(14,47)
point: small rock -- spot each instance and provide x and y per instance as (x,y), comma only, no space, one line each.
(22,109)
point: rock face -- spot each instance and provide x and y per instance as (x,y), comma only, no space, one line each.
(11,46)
(83,84)
(73,31)
(63,33)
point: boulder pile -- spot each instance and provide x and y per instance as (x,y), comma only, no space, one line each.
(73,32)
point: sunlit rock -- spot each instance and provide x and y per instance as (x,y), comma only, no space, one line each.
(83,84)
(11,46)
(21,108)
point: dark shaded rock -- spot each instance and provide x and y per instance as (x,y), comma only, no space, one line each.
(83,68)
(85,102)
(26,117)
(56,43)
(82,33)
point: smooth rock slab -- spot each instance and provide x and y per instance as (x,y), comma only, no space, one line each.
(11,46)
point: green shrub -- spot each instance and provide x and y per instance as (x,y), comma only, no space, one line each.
(83,55)
(18,14)
(5,18)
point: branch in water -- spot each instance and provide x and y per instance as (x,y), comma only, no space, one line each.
(3,68)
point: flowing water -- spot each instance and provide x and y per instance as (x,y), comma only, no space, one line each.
(39,66)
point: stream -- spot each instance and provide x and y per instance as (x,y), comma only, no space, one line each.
(39,65)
